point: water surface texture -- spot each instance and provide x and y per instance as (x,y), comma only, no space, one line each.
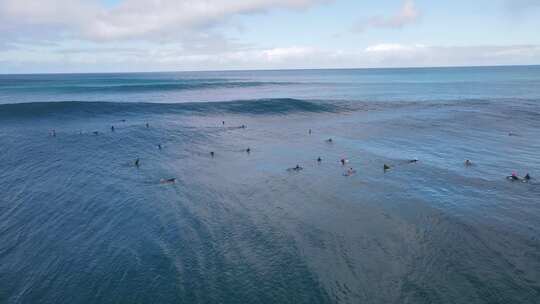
(80,223)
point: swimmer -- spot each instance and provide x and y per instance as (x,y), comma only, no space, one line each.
(248,150)
(319,159)
(212,154)
(386,167)
(168,180)
(513,177)
(112,128)
(159,146)
(468,163)
(329,140)
(137,163)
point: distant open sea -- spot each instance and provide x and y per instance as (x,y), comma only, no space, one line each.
(81,223)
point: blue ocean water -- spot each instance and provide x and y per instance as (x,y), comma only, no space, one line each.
(80,223)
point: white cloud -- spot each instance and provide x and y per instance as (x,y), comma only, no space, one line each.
(131,19)
(407,15)
(171,57)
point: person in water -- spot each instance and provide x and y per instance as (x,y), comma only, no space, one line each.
(319,159)
(343,161)
(329,140)
(350,172)
(137,163)
(248,150)
(212,154)
(243,126)
(53,133)
(159,146)
(168,180)
(96,132)
(412,161)
(386,167)
(112,128)
(513,177)
(468,163)
(297,168)
(147,125)
(309,131)
(223,122)
(527,177)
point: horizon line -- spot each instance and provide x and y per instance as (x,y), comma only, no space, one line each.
(286,69)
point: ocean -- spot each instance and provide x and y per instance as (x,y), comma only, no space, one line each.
(81,223)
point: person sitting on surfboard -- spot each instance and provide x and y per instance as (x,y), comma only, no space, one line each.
(350,172)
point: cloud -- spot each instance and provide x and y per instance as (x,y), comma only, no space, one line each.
(170,57)
(407,15)
(130,19)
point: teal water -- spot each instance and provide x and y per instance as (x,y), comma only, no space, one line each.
(80,223)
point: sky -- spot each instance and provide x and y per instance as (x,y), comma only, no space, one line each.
(54,36)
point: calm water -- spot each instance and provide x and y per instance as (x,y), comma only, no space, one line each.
(80,223)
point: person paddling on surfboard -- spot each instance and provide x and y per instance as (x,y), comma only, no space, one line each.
(513,177)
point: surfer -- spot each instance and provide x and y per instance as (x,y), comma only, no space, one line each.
(168,180)
(412,161)
(386,167)
(248,150)
(297,168)
(349,172)
(513,177)
(527,177)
